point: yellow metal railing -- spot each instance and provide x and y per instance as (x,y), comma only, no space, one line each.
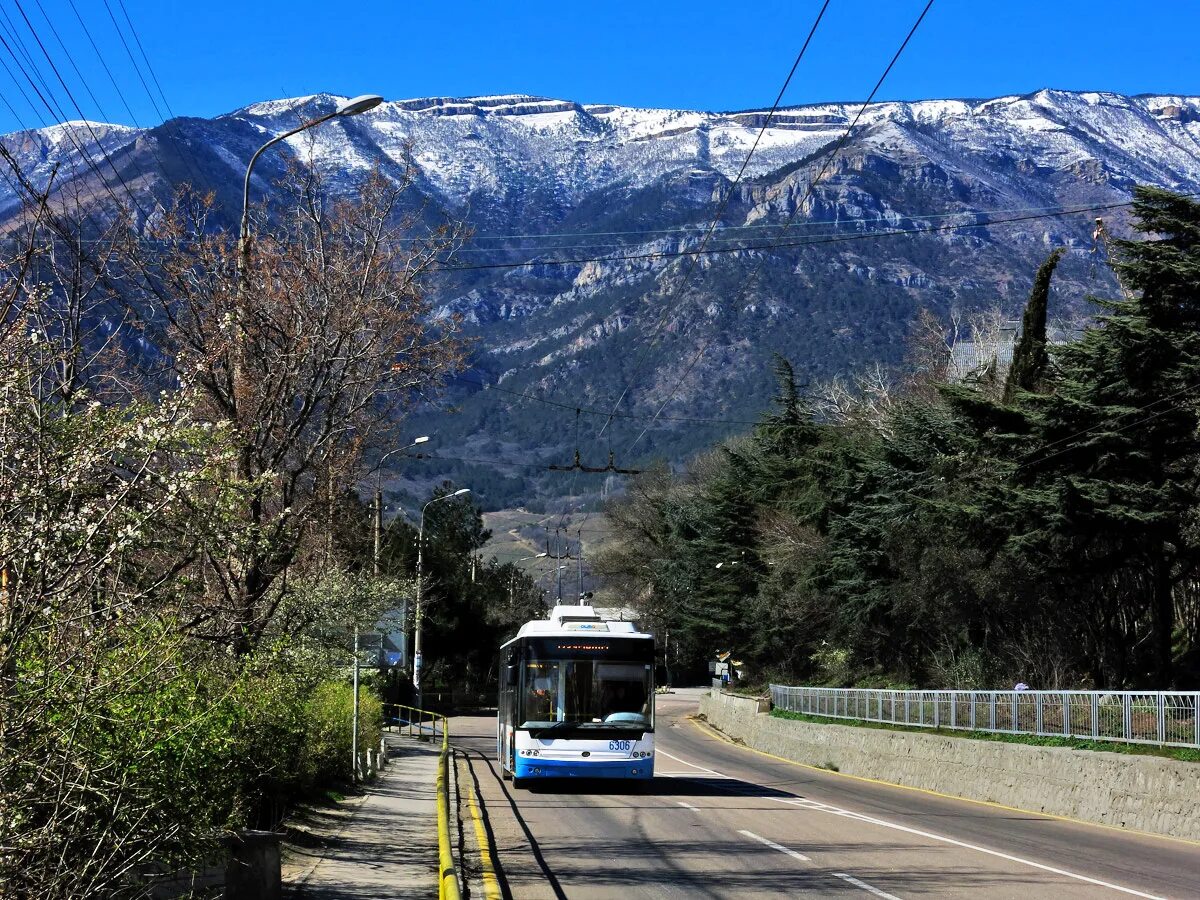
(447,874)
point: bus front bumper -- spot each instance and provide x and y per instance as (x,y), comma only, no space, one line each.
(582,768)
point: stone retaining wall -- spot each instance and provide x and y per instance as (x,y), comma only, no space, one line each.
(1146,793)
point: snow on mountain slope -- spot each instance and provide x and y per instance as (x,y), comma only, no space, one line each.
(542,180)
(496,145)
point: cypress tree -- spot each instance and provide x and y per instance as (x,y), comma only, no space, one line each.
(1029,356)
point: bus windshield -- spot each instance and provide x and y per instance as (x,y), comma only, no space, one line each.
(587,693)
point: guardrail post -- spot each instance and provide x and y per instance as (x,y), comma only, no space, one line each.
(1127,716)
(1037,713)
(1162,718)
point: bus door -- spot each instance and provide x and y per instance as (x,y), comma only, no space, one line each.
(510,674)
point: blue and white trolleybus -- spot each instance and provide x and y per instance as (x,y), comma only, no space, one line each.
(576,699)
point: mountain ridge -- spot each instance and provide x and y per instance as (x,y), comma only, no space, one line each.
(584,207)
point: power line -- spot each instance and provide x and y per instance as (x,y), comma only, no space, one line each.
(799,206)
(694,230)
(676,294)
(79,109)
(829,239)
(591,411)
(50,102)
(154,77)
(104,115)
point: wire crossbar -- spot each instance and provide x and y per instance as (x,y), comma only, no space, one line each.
(1167,718)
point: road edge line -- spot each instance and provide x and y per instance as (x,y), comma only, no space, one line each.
(712,730)
(491,885)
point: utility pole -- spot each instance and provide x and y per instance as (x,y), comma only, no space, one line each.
(377,527)
(579,536)
(418,660)
(354,772)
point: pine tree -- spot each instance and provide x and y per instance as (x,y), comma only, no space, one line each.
(1112,485)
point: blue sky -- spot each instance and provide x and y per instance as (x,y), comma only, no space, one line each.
(214,56)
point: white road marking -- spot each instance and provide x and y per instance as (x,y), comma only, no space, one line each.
(795,854)
(838,811)
(688,775)
(687,806)
(688,764)
(870,889)
(805,803)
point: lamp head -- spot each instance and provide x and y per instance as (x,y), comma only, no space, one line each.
(460,492)
(421,440)
(360,104)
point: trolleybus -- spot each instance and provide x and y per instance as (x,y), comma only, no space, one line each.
(576,699)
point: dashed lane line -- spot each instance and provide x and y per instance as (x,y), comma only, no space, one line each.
(690,765)
(870,889)
(816,806)
(687,806)
(794,854)
(804,803)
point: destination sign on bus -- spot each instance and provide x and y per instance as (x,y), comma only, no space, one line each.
(622,648)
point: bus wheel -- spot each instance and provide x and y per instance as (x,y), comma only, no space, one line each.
(520,783)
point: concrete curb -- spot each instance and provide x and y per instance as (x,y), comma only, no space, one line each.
(1142,793)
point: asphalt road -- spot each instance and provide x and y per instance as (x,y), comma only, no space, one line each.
(721,820)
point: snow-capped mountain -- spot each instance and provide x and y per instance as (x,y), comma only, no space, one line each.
(542,180)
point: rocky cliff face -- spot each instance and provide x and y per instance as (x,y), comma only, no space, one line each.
(609,188)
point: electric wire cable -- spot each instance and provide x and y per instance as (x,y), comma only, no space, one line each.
(799,206)
(811,242)
(682,282)
(79,109)
(50,105)
(104,116)
(154,77)
(592,411)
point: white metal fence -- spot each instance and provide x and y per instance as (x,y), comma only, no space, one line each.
(1165,717)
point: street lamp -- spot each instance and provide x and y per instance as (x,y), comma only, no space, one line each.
(417,660)
(512,581)
(351,107)
(378,498)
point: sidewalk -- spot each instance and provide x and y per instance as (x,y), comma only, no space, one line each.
(381,845)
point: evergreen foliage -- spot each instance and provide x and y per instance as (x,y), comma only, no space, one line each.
(1029,356)
(962,540)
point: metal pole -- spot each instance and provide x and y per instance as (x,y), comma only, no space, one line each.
(579,535)
(558,556)
(354,731)
(417,658)
(378,526)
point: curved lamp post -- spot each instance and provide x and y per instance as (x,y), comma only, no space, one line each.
(417,660)
(351,107)
(377,499)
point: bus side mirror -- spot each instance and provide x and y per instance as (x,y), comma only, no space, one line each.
(510,676)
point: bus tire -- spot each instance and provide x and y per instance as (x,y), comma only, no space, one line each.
(520,784)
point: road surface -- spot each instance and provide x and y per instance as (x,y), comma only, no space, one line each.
(721,820)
